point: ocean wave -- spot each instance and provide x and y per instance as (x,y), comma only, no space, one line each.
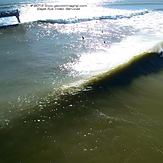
(69,96)
(81,92)
(79,20)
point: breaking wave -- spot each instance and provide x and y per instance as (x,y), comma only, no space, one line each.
(30,13)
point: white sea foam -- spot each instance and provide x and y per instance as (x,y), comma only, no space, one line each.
(148,33)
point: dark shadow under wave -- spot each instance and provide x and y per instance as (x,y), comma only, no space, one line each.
(159,9)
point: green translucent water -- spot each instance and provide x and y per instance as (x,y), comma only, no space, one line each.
(116,121)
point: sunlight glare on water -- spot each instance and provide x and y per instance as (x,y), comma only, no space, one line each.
(61,102)
(94,63)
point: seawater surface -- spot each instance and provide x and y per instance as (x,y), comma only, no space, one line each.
(82,85)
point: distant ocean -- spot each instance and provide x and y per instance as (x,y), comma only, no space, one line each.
(81,81)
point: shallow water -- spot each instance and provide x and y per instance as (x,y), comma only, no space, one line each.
(67,99)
